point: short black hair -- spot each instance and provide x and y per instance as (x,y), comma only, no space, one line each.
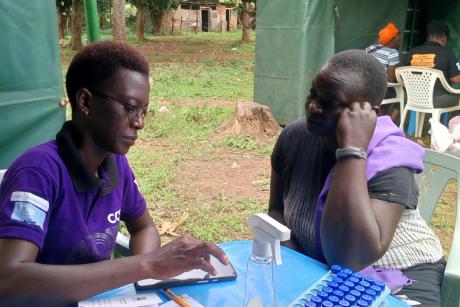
(360,73)
(99,61)
(437,28)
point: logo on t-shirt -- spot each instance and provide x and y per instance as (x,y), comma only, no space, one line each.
(114,217)
(29,208)
(423,60)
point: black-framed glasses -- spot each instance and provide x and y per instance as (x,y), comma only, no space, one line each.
(134,112)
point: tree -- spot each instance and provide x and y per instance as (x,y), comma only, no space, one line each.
(77,24)
(63,11)
(140,19)
(104,8)
(248,7)
(141,6)
(245,8)
(118,20)
(157,9)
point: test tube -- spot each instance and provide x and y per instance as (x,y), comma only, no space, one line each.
(350,298)
(333,299)
(338,293)
(335,268)
(357,275)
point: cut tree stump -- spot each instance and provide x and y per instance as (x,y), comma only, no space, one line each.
(251,119)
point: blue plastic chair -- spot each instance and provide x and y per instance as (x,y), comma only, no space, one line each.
(440,168)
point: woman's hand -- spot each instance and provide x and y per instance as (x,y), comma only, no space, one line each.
(356,125)
(182,255)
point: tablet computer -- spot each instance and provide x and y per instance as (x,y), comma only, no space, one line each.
(197,276)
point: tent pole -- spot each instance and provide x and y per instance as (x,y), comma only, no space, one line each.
(92,20)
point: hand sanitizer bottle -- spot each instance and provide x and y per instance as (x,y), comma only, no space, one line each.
(267,235)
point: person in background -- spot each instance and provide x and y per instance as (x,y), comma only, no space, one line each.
(343,181)
(434,54)
(61,202)
(386,51)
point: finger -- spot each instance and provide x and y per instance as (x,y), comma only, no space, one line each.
(354,106)
(213,249)
(366,106)
(206,266)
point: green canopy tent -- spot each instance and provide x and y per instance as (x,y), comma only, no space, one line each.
(295,38)
(30,76)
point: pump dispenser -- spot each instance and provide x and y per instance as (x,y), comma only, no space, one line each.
(267,236)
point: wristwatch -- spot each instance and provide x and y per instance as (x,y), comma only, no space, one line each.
(350,152)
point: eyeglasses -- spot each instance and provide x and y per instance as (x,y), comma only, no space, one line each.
(134,112)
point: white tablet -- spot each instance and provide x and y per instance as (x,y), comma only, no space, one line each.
(224,273)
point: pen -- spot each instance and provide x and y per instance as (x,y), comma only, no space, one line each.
(177,299)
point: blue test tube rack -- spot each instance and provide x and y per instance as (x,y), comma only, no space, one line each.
(341,287)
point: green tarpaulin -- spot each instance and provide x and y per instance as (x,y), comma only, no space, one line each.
(30,76)
(294,38)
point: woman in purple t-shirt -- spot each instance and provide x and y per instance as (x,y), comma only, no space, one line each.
(61,202)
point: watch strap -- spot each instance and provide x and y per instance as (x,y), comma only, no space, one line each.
(350,152)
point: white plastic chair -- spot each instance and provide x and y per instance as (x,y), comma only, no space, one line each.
(419,83)
(440,168)
(399,96)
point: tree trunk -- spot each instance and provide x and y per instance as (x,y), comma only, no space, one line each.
(139,21)
(101,21)
(77,23)
(156,20)
(251,119)
(118,20)
(245,37)
(60,27)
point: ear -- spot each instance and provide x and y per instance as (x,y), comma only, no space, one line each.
(84,100)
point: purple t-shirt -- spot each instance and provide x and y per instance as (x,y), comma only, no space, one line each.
(44,202)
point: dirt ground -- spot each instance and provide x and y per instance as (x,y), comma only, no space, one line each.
(224,175)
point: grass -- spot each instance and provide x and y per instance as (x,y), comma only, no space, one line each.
(177,82)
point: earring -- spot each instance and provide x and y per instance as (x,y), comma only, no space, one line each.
(86,113)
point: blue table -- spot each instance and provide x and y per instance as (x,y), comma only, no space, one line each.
(297,273)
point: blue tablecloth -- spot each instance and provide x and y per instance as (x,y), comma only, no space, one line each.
(297,273)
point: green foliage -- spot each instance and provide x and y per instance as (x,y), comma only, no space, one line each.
(160,7)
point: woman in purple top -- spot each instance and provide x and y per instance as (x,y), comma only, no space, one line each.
(61,202)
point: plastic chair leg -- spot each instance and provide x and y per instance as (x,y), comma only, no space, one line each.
(411,128)
(419,124)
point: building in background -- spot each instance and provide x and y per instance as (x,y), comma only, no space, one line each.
(194,16)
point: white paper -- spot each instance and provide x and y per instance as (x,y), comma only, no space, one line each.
(141,300)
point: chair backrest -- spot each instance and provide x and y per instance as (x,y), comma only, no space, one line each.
(440,168)
(419,83)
